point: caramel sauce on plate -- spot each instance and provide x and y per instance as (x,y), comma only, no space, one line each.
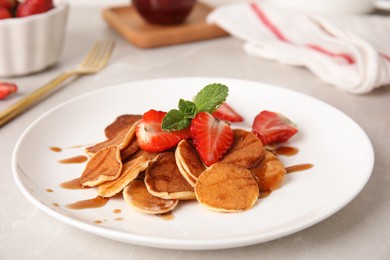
(299,167)
(55,149)
(286,150)
(166,216)
(75,159)
(72,185)
(96,202)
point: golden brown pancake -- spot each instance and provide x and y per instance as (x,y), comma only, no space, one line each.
(130,171)
(227,187)
(105,165)
(136,195)
(123,122)
(188,161)
(164,180)
(186,176)
(246,150)
(130,149)
(269,173)
(122,139)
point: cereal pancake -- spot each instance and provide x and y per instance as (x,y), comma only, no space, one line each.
(130,171)
(188,161)
(135,194)
(246,149)
(270,173)
(105,165)
(227,187)
(164,180)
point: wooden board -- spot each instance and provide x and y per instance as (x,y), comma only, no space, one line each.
(131,26)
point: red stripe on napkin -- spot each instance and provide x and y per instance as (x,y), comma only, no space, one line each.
(278,34)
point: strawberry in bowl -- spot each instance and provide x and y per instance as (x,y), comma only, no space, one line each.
(23,52)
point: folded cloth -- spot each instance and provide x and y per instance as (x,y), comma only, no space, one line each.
(350,52)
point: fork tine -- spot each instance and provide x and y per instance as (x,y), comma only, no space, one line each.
(98,57)
(90,54)
(102,56)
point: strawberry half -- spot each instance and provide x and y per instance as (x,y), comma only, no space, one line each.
(212,137)
(271,127)
(6,89)
(5,13)
(227,113)
(152,138)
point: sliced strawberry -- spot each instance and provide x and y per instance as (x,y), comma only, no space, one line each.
(7,89)
(5,13)
(32,7)
(271,127)
(212,137)
(227,113)
(8,4)
(152,138)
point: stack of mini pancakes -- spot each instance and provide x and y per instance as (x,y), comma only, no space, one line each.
(154,183)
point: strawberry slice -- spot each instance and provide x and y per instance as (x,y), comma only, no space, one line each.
(6,89)
(212,137)
(227,113)
(271,127)
(152,138)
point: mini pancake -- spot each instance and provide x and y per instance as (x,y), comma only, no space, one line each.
(246,149)
(188,161)
(130,171)
(122,139)
(123,122)
(227,187)
(136,195)
(164,180)
(270,173)
(130,149)
(105,165)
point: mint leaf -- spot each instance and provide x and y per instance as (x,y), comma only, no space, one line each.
(210,97)
(174,121)
(187,108)
(208,100)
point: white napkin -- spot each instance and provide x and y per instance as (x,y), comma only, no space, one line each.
(350,52)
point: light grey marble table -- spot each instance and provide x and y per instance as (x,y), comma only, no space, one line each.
(361,230)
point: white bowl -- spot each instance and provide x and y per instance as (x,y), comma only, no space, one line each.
(31,44)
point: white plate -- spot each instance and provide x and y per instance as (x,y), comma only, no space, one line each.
(338,148)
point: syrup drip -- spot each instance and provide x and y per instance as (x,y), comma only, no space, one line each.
(299,167)
(73,185)
(49,190)
(166,216)
(286,150)
(87,204)
(55,149)
(76,159)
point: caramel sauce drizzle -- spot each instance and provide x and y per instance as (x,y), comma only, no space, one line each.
(286,150)
(55,149)
(299,167)
(73,185)
(75,159)
(166,216)
(96,202)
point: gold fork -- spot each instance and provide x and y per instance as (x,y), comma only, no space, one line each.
(95,61)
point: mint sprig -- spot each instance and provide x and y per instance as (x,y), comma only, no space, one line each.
(207,100)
